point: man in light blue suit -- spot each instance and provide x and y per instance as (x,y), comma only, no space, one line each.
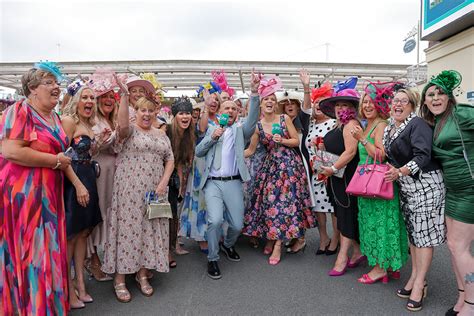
(222,178)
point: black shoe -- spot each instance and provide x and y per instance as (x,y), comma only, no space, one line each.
(451,312)
(230,253)
(332,252)
(213,270)
(403,293)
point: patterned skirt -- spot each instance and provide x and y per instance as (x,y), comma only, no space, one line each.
(422,201)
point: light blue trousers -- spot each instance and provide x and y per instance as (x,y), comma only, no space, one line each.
(223,196)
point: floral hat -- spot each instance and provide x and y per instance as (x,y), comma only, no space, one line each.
(381,94)
(210,86)
(269,85)
(103,81)
(448,80)
(77,84)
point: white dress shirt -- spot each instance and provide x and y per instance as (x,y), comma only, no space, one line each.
(228,166)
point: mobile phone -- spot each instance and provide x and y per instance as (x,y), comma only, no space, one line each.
(69,152)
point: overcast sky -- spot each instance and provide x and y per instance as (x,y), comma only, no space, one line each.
(364,31)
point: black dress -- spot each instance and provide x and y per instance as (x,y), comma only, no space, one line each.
(345,205)
(79,218)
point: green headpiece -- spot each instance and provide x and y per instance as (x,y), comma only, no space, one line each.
(448,80)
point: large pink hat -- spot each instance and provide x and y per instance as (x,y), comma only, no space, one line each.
(349,95)
(269,85)
(103,81)
(137,81)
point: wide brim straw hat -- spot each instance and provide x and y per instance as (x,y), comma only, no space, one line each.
(137,81)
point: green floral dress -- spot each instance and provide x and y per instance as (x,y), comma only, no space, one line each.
(383,237)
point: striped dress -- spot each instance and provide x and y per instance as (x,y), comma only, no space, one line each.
(33,276)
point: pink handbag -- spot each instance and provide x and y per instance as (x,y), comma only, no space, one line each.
(368,181)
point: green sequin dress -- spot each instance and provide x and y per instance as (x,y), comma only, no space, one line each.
(448,150)
(383,237)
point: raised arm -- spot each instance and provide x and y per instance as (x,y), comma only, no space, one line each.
(249,125)
(304,77)
(123,129)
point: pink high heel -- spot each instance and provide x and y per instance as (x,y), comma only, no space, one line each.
(394,274)
(365,279)
(273,261)
(356,263)
(334,272)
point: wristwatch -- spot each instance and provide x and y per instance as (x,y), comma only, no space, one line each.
(334,169)
(364,142)
(400,174)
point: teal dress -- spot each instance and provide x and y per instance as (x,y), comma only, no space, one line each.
(448,150)
(383,237)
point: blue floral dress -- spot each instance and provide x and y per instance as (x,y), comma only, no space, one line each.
(281,201)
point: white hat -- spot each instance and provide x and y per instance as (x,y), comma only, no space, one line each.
(289,95)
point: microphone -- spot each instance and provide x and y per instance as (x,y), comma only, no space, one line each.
(224,120)
(276,129)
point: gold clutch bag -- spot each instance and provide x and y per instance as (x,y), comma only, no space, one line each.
(158,210)
(157,207)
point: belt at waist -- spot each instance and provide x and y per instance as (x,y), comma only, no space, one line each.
(236,177)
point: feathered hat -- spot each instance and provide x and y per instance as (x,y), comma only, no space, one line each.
(50,67)
(325,91)
(448,80)
(220,79)
(381,94)
(182,104)
(343,91)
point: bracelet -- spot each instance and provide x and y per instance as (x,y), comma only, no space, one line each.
(306,92)
(364,142)
(400,174)
(334,169)
(58,163)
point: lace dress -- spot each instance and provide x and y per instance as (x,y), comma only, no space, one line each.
(382,233)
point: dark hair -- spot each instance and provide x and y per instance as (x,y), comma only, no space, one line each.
(182,145)
(429,117)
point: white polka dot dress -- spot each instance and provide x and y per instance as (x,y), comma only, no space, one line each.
(318,189)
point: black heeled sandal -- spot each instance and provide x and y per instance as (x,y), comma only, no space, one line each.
(402,293)
(451,311)
(417,306)
(332,252)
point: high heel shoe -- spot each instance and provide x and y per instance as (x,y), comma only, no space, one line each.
(302,248)
(332,252)
(268,249)
(335,273)
(356,263)
(94,271)
(323,251)
(274,261)
(402,293)
(451,311)
(394,274)
(365,279)
(414,306)
(79,305)
(86,298)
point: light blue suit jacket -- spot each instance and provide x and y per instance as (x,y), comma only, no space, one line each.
(242,133)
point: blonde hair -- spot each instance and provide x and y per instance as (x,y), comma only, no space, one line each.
(32,79)
(145,102)
(361,112)
(413,97)
(71,107)
(113,114)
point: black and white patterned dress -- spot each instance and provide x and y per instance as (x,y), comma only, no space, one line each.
(318,189)
(422,194)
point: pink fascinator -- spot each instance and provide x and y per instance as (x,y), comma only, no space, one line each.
(103,81)
(381,94)
(220,78)
(269,85)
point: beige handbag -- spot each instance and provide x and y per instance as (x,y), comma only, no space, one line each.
(157,207)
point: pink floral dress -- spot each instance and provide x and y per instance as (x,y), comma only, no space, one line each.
(281,201)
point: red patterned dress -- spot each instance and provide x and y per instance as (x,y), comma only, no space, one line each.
(33,277)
